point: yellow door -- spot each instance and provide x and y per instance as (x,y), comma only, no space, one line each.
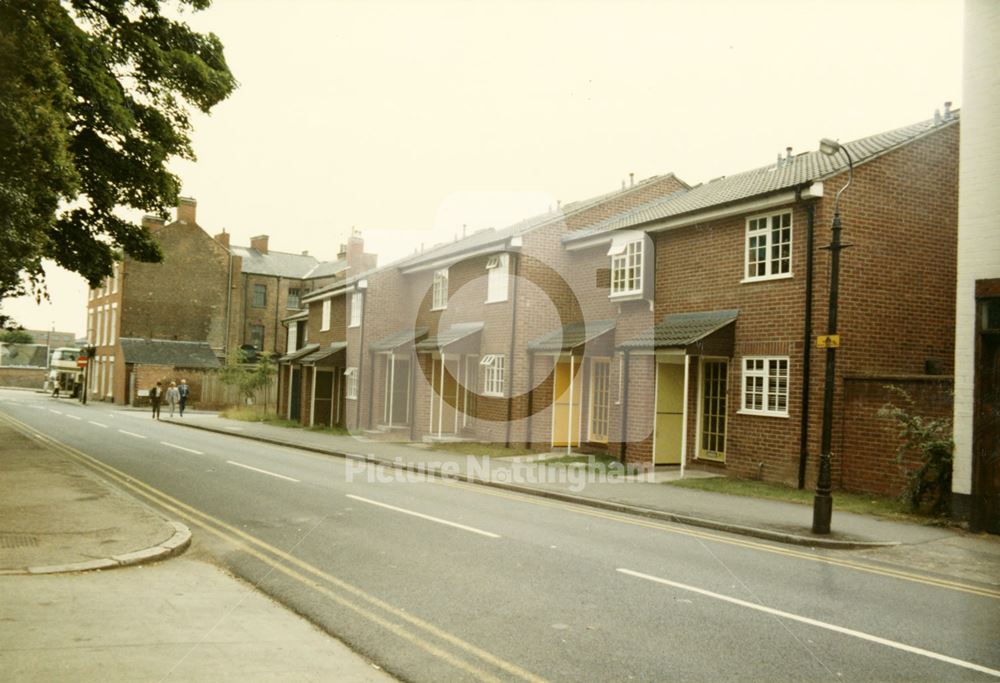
(669,413)
(566,407)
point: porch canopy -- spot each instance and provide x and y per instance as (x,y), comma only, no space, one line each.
(459,338)
(296,356)
(325,355)
(398,339)
(571,336)
(705,333)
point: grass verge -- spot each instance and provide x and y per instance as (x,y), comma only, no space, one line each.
(481,449)
(253,414)
(863,504)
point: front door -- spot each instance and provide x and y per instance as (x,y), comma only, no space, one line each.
(324,398)
(445,396)
(986,425)
(669,414)
(714,384)
(566,407)
(398,396)
(600,399)
(296,397)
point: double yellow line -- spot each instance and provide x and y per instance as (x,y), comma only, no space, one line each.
(471,659)
(743,543)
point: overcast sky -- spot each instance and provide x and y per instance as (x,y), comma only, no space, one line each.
(409,119)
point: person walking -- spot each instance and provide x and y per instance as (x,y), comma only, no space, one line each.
(183,390)
(155,396)
(173,397)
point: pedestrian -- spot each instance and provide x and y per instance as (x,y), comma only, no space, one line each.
(155,396)
(173,397)
(183,390)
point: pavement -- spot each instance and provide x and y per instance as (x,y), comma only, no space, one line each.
(157,615)
(947,550)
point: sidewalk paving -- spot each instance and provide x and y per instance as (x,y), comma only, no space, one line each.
(181,619)
(944,550)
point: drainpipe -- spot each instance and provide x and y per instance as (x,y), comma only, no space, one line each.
(277,312)
(229,305)
(807,347)
(513,335)
(625,370)
(413,392)
(530,437)
(361,359)
(246,295)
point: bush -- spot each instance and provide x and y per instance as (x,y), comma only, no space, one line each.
(929,442)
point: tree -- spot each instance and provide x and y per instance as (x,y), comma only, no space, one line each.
(16,337)
(95,97)
(247,378)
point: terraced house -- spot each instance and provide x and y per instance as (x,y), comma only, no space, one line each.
(666,324)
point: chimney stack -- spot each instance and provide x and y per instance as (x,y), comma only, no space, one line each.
(186,209)
(356,262)
(947,111)
(259,243)
(631,179)
(223,238)
(152,223)
(788,154)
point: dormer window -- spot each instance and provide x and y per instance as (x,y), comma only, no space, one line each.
(497,269)
(769,246)
(439,297)
(630,265)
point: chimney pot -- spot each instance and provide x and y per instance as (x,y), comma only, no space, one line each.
(631,179)
(947,111)
(187,210)
(788,153)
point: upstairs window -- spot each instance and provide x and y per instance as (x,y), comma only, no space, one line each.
(259,296)
(257,337)
(769,246)
(357,304)
(628,265)
(765,385)
(324,323)
(294,296)
(493,381)
(497,269)
(439,298)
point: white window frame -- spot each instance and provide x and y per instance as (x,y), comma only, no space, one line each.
(112,325)
(497,278)
(494,374)
(324,324)
(114,280)
(439,292)
(293,337)
(765,372)
(357,303)
(351,391)
(627,266)
(760,229)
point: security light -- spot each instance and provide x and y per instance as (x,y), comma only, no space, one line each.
(828,146)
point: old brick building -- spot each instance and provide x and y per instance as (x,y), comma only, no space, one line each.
(205,290)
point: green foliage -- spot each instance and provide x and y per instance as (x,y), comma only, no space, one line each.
(94,98)
(929,442)
(16,337)
(247,378)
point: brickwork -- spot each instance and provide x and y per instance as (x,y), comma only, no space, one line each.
(26,378)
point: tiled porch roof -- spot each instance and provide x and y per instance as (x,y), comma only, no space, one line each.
(397,339)
(452,335)
(324,352)
(572,335)
(296,355)
(679,330)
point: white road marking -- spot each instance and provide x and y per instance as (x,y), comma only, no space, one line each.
(138,436)
(38,407)
(73,417)
(423,516)
(235,429)
(189,450)
(255,469)
(820,624)
(57,412)
(97,424)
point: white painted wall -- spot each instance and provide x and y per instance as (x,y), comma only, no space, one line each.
(978,209)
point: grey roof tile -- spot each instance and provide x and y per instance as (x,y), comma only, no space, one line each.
(572,335)
(455,333)
(295,356)
(324,352)
(282,264)
(397,339)
(680,329)
(178,354)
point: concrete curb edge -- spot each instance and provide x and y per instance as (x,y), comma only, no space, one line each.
(624,508)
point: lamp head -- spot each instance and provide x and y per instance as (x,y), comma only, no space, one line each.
(828,146)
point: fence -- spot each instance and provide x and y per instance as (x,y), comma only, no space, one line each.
(215,394)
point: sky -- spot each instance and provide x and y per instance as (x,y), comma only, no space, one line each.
(407,120)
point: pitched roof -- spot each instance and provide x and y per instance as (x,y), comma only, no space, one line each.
(397,339)
(324,352)
(801,169)
(681,329)
(178,354)
(572,335)
(455,333)
(296,355)
(282,264)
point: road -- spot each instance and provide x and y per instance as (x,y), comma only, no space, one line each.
(443,581)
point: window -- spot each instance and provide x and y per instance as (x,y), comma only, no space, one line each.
(497,268)
(493,382)
(626,266)
(91,330)
(257,336)
(352,382)
(114,280)
(324,323)
(112,325)
(357,303)
(293,298)
(769,246)
(765,385)
(293,338)
(259,296)
(440,294)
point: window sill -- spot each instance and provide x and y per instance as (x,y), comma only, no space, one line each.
(767,278)
(352,327)
(351,398)
(497,301)
(628,296)
(439,308)
(489,395)
(761,413)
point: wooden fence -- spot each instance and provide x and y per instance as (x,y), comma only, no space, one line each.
(214,394)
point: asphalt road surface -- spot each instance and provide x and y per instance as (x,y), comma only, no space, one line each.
(441,581)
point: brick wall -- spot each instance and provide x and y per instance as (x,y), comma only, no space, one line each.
(27,378)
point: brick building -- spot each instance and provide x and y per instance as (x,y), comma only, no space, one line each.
(205,290)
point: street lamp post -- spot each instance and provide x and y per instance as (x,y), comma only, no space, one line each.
(823,501)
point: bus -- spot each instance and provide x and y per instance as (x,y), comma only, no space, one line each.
(64,372)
